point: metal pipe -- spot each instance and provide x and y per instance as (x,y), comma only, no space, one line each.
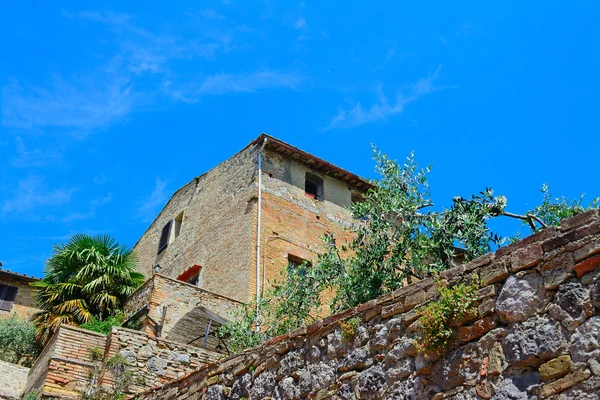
(258,235)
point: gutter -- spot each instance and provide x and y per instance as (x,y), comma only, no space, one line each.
(258,234)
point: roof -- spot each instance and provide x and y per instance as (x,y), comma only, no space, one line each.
(312,161)
(18,275)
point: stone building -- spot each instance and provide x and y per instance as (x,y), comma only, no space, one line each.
(16,296)
(235,228)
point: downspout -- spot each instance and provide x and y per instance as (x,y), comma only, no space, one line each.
(258,235)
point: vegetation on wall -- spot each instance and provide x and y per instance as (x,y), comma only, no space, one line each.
(88,277)
(18,344)
(454,303)
(103,326)
(400,238)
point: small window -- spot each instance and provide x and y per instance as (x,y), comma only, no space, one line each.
(164,236)
(298,264)
(178,221)
(313,186)
(194,280)
(7,297)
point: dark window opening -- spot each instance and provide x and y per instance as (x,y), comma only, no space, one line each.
(297,265)
(164,236)
(313,186)
(194,280)
(178,222)
(7,297)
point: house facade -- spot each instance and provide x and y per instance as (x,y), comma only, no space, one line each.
(233,230)
(16,295)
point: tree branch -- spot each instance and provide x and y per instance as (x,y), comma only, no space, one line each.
(528,217)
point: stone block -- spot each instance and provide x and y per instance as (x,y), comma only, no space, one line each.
(526,257)
(391,310)
(476,330)
(555,368)
(414,299)
(564,383)
(519,299)
(493,273)
(587,250)
(578,220)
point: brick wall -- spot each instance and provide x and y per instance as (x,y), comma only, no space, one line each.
(536,335)
(216,232)
(182,301)
(64,368)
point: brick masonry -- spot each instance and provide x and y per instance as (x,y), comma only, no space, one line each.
(25,303)
(219,231)
(536,335)
(183,304)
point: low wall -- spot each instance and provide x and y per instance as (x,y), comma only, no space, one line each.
(152,361)
(12,380)
(65,367)
(181,299)
(536,335)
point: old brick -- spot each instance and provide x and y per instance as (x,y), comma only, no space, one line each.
(578,220)
(526,257)
(555,368)
(476,330)
(393,309)
(487,307)
(493,273)
(587,250)
(479,262)
(586,266)
(414,299)
(564,383)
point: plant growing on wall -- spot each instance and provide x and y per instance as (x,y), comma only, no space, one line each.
(454,303)
(89,276)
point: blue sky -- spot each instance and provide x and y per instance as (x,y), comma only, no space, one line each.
(106,111)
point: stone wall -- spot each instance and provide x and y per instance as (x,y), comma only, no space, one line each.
(536,335)
(12,380)
(64,368)
(183,303)
(153,361)
(25,303)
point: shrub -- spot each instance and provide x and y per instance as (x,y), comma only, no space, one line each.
(97,325)
(18,344)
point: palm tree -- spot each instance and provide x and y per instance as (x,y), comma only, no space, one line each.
(89,276)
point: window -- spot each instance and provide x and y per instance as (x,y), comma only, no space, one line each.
(194,280)
(297,265)
(178,221)
(7,297)
(164,236)
(313,186)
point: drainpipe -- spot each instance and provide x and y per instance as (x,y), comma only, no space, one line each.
(258,235)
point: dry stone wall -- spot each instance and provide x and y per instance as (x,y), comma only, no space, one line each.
(12,380)
(536,336)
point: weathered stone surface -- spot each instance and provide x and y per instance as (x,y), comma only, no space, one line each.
(495,272)
(532,342)
(263,386)
(379,341)
(495,360)
(405,347)
(458,366)
(128,355)
(240,387)
(595,294)
(521,298)
(557,270)
(585,342)
(526,257)
(356,359)
(587,266)
(555,368)
(478,329)
(370,381)
(215,392)
(291,363)
(401,369)
(157,366)
(574,304)
(315,377)
(286,390)
(509,391)
(564,383)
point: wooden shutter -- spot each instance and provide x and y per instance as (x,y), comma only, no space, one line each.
(7,297)
(164,236)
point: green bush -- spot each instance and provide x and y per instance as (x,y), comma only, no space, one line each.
(17,341)
(97,325)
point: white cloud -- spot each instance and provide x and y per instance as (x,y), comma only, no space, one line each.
(32,195)
(231,83)
(148,208)
(41,157)
(383,108)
